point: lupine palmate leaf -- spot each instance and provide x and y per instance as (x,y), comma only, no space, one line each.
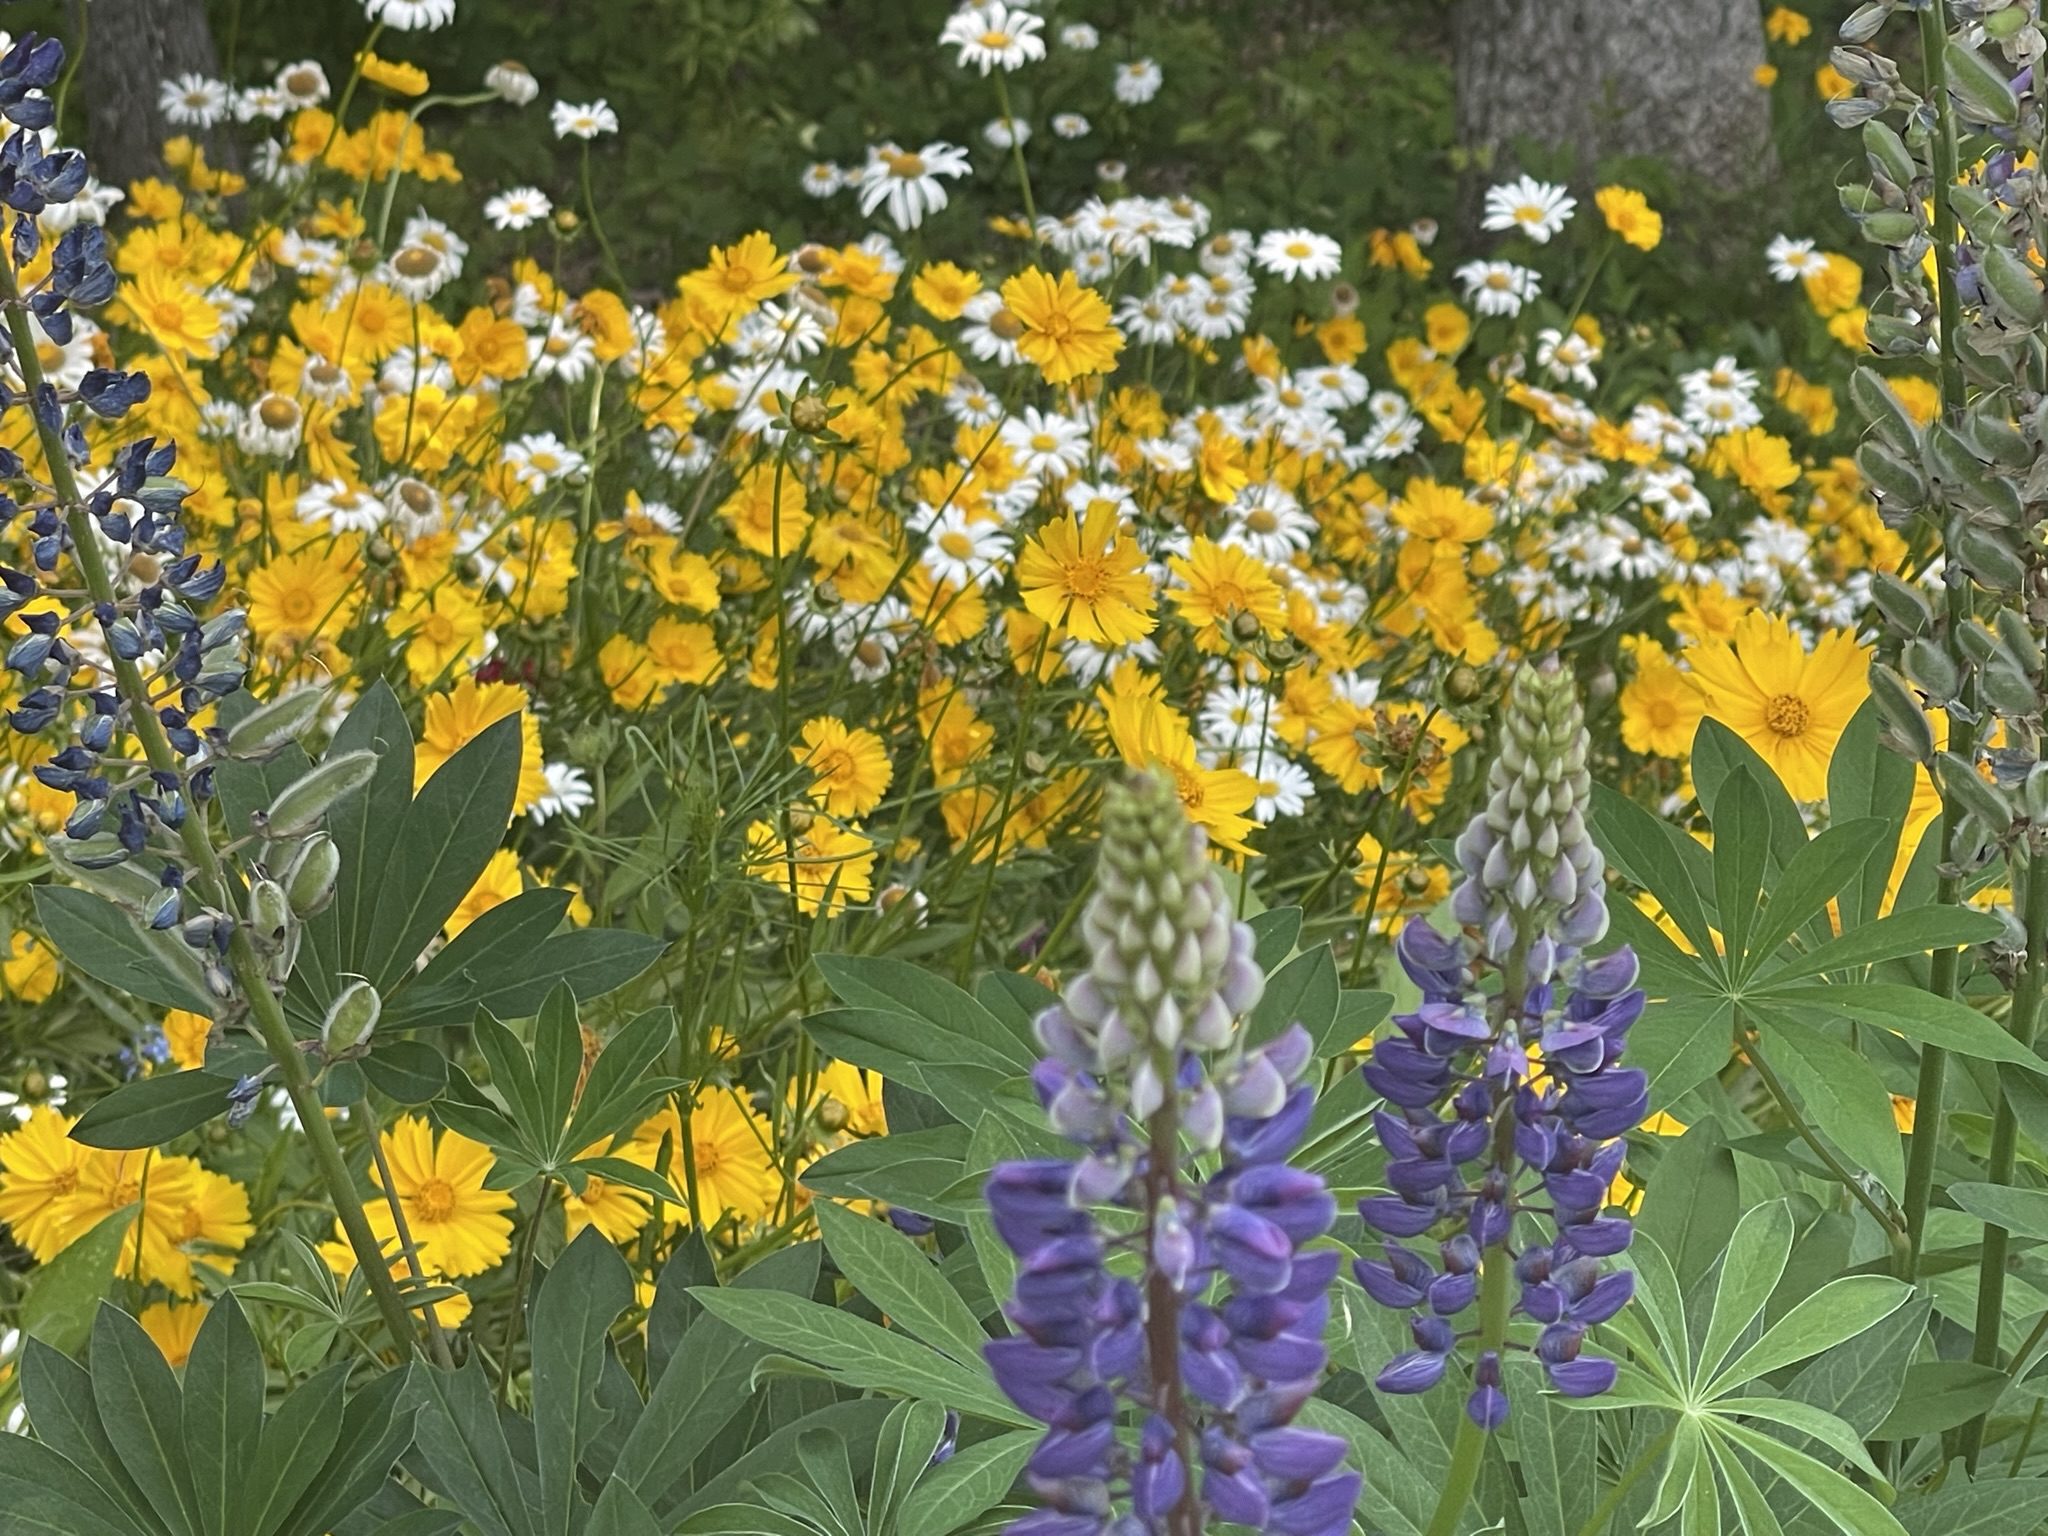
(108,945)
(893,1273)
(966,1486)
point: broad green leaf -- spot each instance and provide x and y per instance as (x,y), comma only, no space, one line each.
(899,1045)
(557,1063)
(909,1437)
(861,1354)
(1805,1419)
(1992,1506)
(618,1088)
(1662,1301)
(582,1296)
(1017,1000)
(893,1273)
(1275,932)
(406,1071)
(2022,1212)
(450,832)
(140,1405)
(58,1395)
(1846,1101)
(1681,1043)
(1817,874)
(1939,1395)
(153,1110)
(376,1427)
(1663,861)
(108,945)
(897,986)
(962,1489)
(1866,780)
(64,1294)
(1899,936)
(913,1169)
(1304,991)
(743,1520)
(45,1495)
(1918,1015)
(512,1074)
(619,1512)
(1757,1516)
(1839,1310)
(1859,1380)
(223,1417)
(822,1454)
(1553,1447)
(705,1382)
(1742,847)
(1685,1461)
(467,1457)
(1718,756)
(1691,1200)
(1755,1259)
(295,1445)
(1847,1507)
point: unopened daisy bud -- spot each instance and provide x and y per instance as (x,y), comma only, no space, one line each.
(351,1019)
(513,82)
(310,878)
(302,804)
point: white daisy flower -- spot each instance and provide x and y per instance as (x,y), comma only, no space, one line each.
(1792,259)
(909,181)
(410,15)
(993,35)
(518,208)
(1498,287)
(1138,82)
(1292,254)
(1538,209)
(583,121)
(193,101)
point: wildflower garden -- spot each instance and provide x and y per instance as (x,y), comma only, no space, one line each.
(992,821)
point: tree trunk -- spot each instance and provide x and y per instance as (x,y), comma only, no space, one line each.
(131,48)
(1673,79)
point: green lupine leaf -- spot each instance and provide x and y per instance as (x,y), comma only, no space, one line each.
(140,1405)
(64,1295)
(1818,874)
(1844,1098)
(1839,1310)
(1847,1507)
(899,987)
(1742,847)
(223,1414)
(582,1296)
(892,1272)
(108,945)
(1755,1260)
(1992,1506)
(1918,1015)
(1939,1395)
(1902,935)
(962,1489)
(2022,1212)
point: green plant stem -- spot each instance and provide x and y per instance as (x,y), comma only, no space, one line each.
(1942,971)
(1604,1512)
(251,976)
(1017,154)
(2023,1023)
(437,1337)
(1470,1446)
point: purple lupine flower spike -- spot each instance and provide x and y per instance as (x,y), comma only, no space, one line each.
(1219,1340)
(1503,1106)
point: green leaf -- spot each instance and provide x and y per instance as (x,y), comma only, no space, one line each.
(962,1489)
(1844,1098)
(994,1142)
(618,1087)
(64,1294)
(463,1443)
(1902,935)
(1847,1507)
(376,1427)
(557,1063)
(1992,1506)
(406,1071)
(1275,932)
(909,1437)
(58,1395)
(1718,755)
(1554,1446)
(108,945)
(2022,1212)
(913,1169)
(367,828)
(582,1296)
(152,1110)
(1691,1201)
(295,1445)
(509,959)
(1304,991)
(1917,1015)
(1758,1518)
(1663,861)
(1742,846)
(822,1453)
(450,832)
(1817,875)
(899,987)
(1858,1381)
(1805,1419)
(704,1383)
(892,1272)
(45,1495)
(1839,1310)
(861,1354)
(1755,1259)
(1866,780)
(1939,1395)
(1680,1044)
(223,1417)
(619,1512)
(139,1403)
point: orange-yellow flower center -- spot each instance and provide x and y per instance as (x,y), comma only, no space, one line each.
(1787,715)
(435,1200)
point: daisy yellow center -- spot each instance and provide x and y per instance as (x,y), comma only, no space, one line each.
(1262,520)
(1787,715)
(435,1200)
(956,544)
(1497,280)
(1528,213)
(278,413)
(904,164)
(1297,249)
(995,39)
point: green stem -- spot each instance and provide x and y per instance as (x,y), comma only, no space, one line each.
(1017,154)
(1790,1109)
(2025,1019)
(437,1337)
(1470,1446)
(251,975)
(1933,45)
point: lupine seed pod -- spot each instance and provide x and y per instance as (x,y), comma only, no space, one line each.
(302,804)
(351,1019)
(273,724)
(309,879)
(270,913)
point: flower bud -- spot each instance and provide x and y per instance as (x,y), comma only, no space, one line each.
(273,724)
(351,1020)
(310,877)
(298,809)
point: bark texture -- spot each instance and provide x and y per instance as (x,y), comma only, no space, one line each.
(132,47)
(1600,78)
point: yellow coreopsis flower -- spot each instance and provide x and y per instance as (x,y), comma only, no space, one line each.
(41,1169)
(440,629)
(1787,26)
(1629,214)
(944,289)
(767,511)
(1760,462)
(850,768)
(457,717)
(1788,704)
(740,276)
(173,1326)
(297,598)
(1066,327)
(830,868)
(171,313)
(1660,707)
(1082,573)
(458,1226)
(186,1034)
(28,969)
(732,1163)
(617,1210)
(1441,512)
(500,881)
(1221,583)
